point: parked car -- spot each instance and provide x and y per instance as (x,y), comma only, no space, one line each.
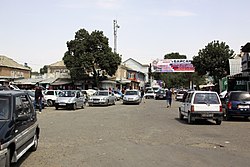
(150,94)
(201,105)
(70,99)
(50,96)
(236,103)
(132,97)
(179,95)
(19,130)
(31,93)
(102,97)
(161,94)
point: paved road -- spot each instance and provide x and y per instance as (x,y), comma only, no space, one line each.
(145,135)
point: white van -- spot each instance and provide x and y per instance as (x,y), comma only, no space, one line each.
(201,105)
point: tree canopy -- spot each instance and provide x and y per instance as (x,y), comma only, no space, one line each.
(213,60)
(175,55)
(90,53)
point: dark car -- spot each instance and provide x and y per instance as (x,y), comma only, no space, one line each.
(237,103)
(160,94)
(19,130)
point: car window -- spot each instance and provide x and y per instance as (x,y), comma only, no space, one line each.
(49,93)
(103,93)
(4,108)
(67,94)
(23,105)
(238,96)
(131,93)
(206,98)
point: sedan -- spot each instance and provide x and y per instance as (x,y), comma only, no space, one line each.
(132,97)
(161,94)
(102,97)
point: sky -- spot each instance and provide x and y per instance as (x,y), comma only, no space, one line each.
(35,32)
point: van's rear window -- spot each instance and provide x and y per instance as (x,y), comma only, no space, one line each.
(240,96)
(206,98)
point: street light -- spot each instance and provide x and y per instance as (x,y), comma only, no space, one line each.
(116,26)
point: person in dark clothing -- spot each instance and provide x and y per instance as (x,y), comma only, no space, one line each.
(169,98)
(142,95)
(38,97)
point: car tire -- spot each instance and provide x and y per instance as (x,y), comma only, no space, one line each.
(190,118)
(35,145)
(218,122)
(56,108)
(114,102)
(49,103)
(7,159)
(74,106)
(181,116)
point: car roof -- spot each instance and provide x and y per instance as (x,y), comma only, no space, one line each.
(201,91)
(12,92)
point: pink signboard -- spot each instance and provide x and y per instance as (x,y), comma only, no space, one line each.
(172,65)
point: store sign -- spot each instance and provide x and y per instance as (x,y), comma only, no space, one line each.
(172,65)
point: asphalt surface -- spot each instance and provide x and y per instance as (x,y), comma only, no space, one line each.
(145,135)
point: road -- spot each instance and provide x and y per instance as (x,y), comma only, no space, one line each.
(145,135)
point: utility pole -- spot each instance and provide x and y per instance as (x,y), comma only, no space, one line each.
(116,26)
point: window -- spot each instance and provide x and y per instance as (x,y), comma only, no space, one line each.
(5,108)
(23,105)
(49,93)
(206,98)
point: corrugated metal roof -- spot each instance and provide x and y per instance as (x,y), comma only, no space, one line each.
(8,62)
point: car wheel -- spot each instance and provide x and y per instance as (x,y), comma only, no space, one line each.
(34,147)
(218,122)
(181,117)
(114,102)
(74,106)
(7,160)
(189,118)
(56,108)
(49,103)
(82,106)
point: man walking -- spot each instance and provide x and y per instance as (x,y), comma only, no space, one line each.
(38,97)
(169,97)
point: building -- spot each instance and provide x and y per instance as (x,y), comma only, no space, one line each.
(140,71)
(11,70)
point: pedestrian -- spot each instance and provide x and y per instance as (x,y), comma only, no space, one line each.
(38,97)
(142,95)
(169,97)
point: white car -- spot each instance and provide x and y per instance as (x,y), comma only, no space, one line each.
(102,97)
(201,105)
(132,97)
(50,96)
(150,94)
(70,99)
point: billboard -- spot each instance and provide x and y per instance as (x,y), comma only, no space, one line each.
(172,65)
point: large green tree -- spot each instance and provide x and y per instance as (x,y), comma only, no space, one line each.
(175,55)
(90,53)
(213,60)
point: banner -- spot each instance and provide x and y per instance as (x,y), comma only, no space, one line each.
(172,65)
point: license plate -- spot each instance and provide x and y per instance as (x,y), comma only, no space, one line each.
(207,115)
(161,96)
(243,106)
(130,99)
(95,101)
(62,104)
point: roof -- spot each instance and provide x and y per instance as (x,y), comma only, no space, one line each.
(246,48)
(58,63)
(8,62)
(145,65)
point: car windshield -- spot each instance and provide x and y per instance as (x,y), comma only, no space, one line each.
(4,108)
(131,93)
(102,94)
(240,96)
(67,94)
(161,92)
(206,98)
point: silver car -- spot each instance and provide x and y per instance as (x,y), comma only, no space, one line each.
(102,97)
(132,97)
(70,99)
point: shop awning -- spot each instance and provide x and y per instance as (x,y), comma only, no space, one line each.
(61,82)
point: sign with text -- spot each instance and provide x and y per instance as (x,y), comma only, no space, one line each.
(172,65)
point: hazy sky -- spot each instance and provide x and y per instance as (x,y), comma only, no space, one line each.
(36,31)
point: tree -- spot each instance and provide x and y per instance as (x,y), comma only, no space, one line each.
(174,56)
(90,53)
(213,60)
(44,70)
